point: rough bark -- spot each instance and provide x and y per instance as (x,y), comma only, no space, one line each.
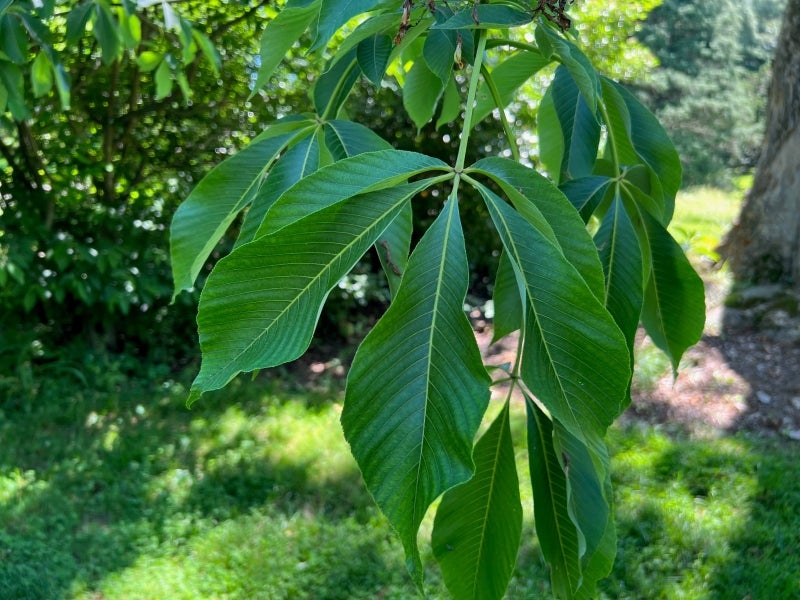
(764,245)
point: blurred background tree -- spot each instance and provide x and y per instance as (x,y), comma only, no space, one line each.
(710,84)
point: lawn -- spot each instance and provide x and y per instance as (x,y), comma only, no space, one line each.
(110,488)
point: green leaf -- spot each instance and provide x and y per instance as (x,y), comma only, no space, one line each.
(649,141)
(384,23)
(674,305)
(572,506)
(556,531)
(489,16)
(575,359)
(202,219)
(577,65)
(508,76)
(567,226)
(393,248)
(478,525)
(586,193)
(3,97)
(12,80)
(335,84)
(335,13)
(77,18)
(551,141)
(623,267)
(209,51)
(279,35)
(508,300)
(346,178)
(130,29)
(41,75)
(578,127)
(411,427)
(297,162)
(261,303)
(106,33)
(421,93)
(13,40)
(373,56)
(440,46)
(451,104)
(348,138)
(163,80)
(148,60)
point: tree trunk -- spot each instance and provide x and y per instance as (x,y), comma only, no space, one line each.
(764,245)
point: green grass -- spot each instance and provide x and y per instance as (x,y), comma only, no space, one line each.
(120,492)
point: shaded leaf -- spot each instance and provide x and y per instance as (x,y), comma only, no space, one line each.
(163,80)
(41,75)
(335,84)
(348,138)
(77,18)
(586,193)
(411,428)
(489,16)
(508,301)
(478,524)
(575,359)
(574,61)
(451,104)
(567,226)
(105,31)
(440,46)
(373,56)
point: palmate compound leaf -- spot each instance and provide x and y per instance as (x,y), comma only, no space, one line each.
(417,389)
(202,219)
(478,525)
(575,359)
(261,303)
(572,506)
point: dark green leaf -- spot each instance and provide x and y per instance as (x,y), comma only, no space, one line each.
(205,215)
(348,138)
(489,16)
(77,19)
(345,178)
(478,525)
(578,127)
(335,13)
(13,40)
(623,266)
(440,46)
(393,248)
(585,193)
(105,31)
(12,80)
(373,56)
(261,303)
(575,359)
(207,48)
(411,428)
(650,142)
(578,66)
(508,301)
(567,226)
(335,84)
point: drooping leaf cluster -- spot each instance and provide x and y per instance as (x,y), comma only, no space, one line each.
(318,191)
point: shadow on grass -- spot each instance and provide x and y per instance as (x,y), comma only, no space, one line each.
(98,483)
